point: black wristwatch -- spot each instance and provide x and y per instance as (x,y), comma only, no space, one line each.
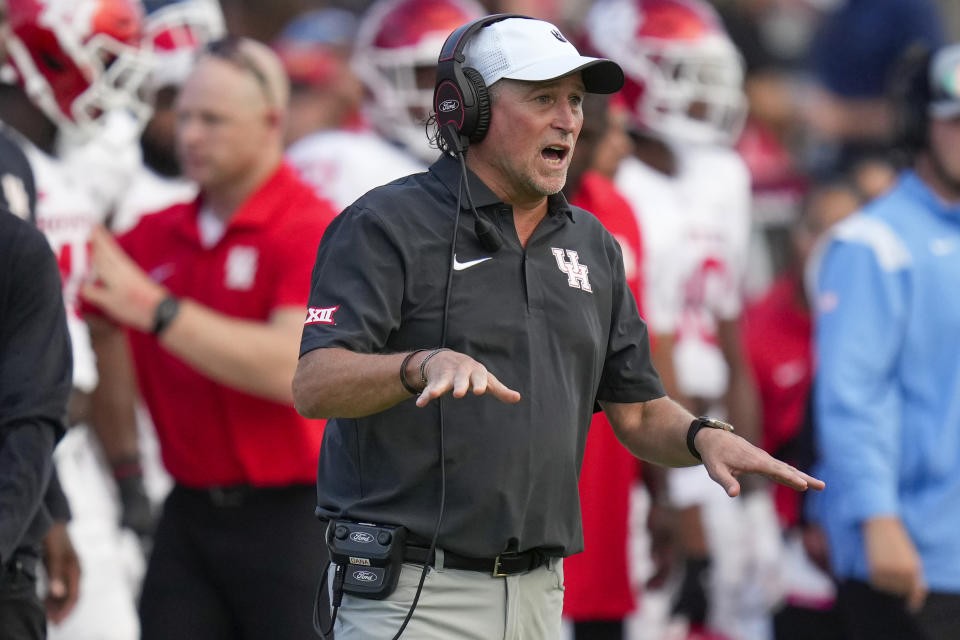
(164,314)
(700,423)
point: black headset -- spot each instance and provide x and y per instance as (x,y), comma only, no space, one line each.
(910,94)
(462,107)
(460,97)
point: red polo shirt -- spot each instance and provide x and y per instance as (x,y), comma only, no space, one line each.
(211,434)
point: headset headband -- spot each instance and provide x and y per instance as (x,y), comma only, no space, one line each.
(454,44)
(460,96)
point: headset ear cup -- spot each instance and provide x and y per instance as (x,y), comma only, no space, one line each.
(483,103)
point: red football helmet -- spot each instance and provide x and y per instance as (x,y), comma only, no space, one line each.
(398,43)
(174,31)
(79,59)
(684,77)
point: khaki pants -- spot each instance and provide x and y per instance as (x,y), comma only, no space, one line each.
(460,605)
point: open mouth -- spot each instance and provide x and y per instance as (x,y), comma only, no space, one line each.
(555,153)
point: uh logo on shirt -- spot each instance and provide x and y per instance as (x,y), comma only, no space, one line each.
(240,270)
(568,261)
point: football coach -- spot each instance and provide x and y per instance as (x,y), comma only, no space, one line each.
(464,324)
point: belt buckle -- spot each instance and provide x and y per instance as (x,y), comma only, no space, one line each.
(225,496)
(496,564)
(496,568)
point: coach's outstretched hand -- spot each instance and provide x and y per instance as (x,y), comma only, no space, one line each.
(452,372)
(727,456)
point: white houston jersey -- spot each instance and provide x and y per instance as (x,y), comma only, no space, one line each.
(106,163)
(149,192)
(66,213)
(344,165)
(696,228)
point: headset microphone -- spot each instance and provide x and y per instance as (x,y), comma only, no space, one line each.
(486,232)
(488,235)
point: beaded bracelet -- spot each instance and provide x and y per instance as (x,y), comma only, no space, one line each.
(423,364)
(403,373)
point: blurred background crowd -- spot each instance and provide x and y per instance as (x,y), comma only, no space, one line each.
(745,131)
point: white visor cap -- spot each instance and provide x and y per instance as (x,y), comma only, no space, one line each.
(534,50)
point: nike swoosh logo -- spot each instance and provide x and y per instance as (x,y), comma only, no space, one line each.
(460,266)
(161,273)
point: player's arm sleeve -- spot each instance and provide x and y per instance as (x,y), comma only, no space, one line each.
(861,313)
(628,373)
(35,381)
(357,284)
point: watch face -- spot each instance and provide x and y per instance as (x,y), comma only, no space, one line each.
(718,424)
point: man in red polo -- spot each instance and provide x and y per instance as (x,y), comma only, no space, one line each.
(212,296)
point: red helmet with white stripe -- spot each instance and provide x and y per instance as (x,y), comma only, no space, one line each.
(684,77)
(79,59)
(398,43)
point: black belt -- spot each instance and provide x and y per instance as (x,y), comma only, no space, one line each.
(238,495)
(505,564)
(233,496)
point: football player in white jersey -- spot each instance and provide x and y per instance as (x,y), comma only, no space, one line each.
(691,191)
(395,56)
(78,62)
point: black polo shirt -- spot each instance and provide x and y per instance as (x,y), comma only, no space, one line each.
(35,381)
(554,321)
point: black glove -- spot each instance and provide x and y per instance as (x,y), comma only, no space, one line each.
(137,513)
(691,600)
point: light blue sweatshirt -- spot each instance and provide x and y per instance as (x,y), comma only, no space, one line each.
(888,379)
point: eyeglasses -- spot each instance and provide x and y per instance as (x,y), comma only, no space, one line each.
(230,49)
